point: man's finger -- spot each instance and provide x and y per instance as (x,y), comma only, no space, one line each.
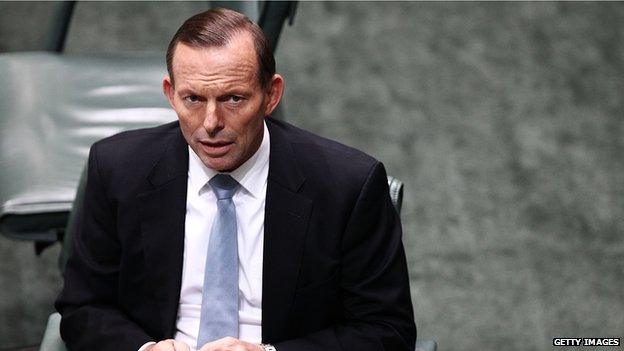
(223,343)
(169,345)
(230,344)
(180,346)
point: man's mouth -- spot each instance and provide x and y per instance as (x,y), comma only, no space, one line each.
(216,148)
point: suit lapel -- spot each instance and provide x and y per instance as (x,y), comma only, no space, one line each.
(286,221)
(162,212)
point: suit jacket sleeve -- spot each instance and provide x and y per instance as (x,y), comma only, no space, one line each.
(374,284)
(88,303)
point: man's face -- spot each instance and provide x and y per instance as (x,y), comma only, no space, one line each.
(220,102)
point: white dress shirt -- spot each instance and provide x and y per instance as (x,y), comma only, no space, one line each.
(201,208)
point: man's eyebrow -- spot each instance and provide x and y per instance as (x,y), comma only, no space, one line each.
(224,89)
(186,91)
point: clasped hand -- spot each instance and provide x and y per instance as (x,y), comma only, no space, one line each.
(225,344)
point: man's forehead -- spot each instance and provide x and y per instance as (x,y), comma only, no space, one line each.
(238,54)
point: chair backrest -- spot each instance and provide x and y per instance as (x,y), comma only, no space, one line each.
(396,193)
(270,15)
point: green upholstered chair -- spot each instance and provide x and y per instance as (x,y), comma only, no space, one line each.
(47,126)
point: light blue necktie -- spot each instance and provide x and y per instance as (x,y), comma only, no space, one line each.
(219,310)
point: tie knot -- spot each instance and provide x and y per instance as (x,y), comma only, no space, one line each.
(223,185)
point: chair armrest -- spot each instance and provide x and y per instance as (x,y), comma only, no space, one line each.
(52,337)
(426,345)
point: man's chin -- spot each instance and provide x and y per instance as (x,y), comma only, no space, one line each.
(220,164)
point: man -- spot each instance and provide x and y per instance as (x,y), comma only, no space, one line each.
(228,230)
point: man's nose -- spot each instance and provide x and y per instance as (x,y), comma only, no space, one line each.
(213,122)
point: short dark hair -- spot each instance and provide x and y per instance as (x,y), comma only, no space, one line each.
(215,28)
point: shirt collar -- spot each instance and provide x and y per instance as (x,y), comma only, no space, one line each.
(251,175)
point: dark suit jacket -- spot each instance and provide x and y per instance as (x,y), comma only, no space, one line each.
(335,275)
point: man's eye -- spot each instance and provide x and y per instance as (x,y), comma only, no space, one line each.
(235,98)
(192,98)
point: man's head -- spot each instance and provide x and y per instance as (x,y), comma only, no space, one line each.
(221,83)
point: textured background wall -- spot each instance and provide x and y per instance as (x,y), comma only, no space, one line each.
(504,120)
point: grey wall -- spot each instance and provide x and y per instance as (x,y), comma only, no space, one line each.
(504,120)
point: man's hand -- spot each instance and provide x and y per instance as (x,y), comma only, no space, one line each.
(231,344)
(168,345)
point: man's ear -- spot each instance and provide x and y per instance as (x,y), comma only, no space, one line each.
(168,90)
(276,89)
